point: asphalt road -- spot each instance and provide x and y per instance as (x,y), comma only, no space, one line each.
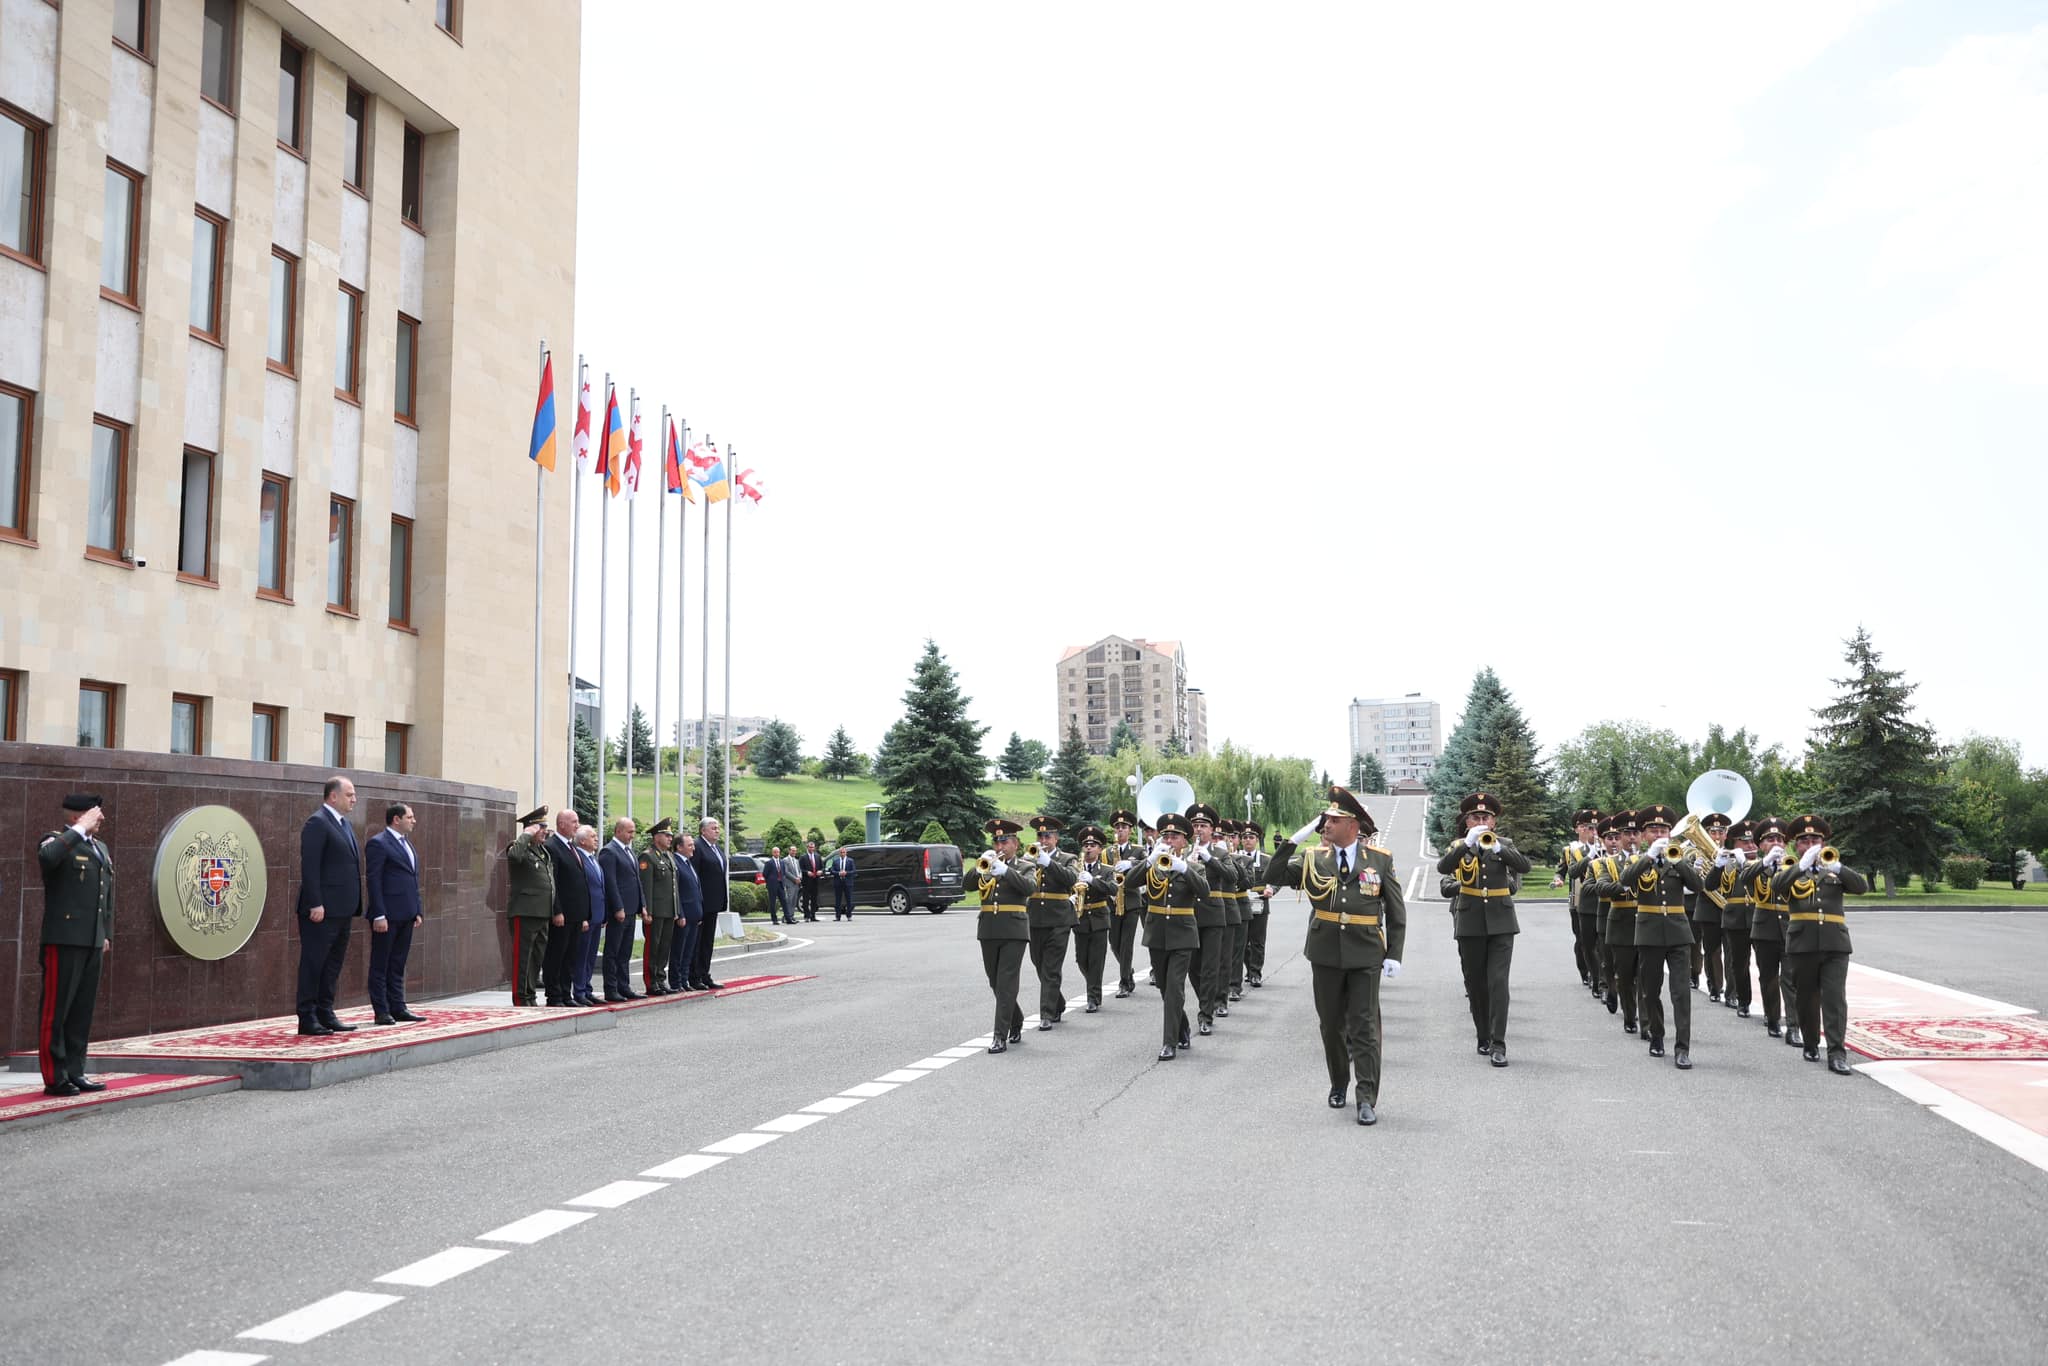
(1073,1199)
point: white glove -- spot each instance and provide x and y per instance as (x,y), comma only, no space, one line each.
(1123,865)
(998,868)
(1179,865)
(1197,853)
(1083,880)
(1777,854)
(1472,837)
(1724,858)
(1810,857)
(1657,846)
(1045,858)
(1741,858)
(1298,836)
(1392,969)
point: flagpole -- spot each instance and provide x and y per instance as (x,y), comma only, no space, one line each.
(725,730)
(540,509)
(704,663)
(682,608)
(660,599)
(575,572)
(632,582)
(604,593)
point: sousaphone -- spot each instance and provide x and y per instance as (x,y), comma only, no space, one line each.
(1717,790)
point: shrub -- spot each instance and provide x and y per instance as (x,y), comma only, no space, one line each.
(783,835)
(934,833)
(749,898)
(1965,871)
(815,836)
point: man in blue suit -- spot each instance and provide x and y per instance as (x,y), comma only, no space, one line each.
(690,898)
(709,860)
(771,876)
(393,868)
(842,885)
(622,908)
(330,898)
(569,929)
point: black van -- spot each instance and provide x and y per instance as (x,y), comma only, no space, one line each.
(901,877)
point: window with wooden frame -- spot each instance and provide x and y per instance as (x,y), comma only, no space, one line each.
(188,724)
(341,553)
(98,714)
(401,572)
(406,401)
(448,18)
(217,54)
(397,748)
(195,517)
(106,493)
(23,142)
(209,269)
(131,27)
(409,185)
(291,96)
(355,140)
(282,354)
(266,733)
(348,344)
(273,539)
(10,704)
(17,449)
(334,742)
(120,236)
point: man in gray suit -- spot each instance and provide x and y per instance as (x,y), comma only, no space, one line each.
(792,871)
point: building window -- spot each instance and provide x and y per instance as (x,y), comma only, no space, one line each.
(118,244)
(96,715)
(341,553)
(217,54)
(195,517)
(272,522)
(448,17)
(266,733)
(21,185)
(334,745)
(188,724)
(10,700)
(408,371)
(284,312)
(409,184)
(401,572)
(355,109)
(106,499)
(131,25)
(17,428)
(291,96)
(209,257)
(397,741)
(348,329)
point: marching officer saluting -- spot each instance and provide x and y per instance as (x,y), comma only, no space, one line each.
(1127,907)
(1358,926)
(1483,918)
(1001,928)
(1662,876)
(1052,918)
(1095,884)
(1173,887)
(78,929)
(1818,947)
(531,873)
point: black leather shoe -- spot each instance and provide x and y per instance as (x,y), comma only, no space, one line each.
(1166,1053)
(1695,984)
(612,998)
(1683,1058)
(1223,1010)
(1237,993)
(1742,1012)
(1044,1025)
(84,1085)
(1613,1003)
(1771,1028)
(1093,1006)
(313,1028)
(1256,982)
(1838,1064)
(629,994)
(1810,1054)
(1792,1037)
(1205,1028)
(1185,1041)
(381,1018)
(1628,1026)
(1017,1034)
(709,985)
(1337,1098)
(1656,1048)
(62,1088)
(1500,1055)
(1714,996)
(1365,1113)
(406,1015)
(1485,1048)
(585,1001)
(335,1026)
(999,1047)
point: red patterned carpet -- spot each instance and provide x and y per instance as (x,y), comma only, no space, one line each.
(1956,1037)
(28,1101)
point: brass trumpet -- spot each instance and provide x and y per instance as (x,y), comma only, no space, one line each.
(986,864)
(1163,864)
(1488,840)
(1829,855)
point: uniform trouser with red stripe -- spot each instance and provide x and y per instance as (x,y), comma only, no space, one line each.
(1123,941)
(1735,972)
(654,956)
(529,953)
(71,985)
(1823,985)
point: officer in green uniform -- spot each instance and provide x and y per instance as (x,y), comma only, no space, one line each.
(531,904)
(659,907)
(1818,947)
(1767,926)
(1706,911)
(1358,926)
(1726,878)
(1618,916)
(1052,917)
(1238,913)
(1483,917)
(1002,928)
(1127,908)
(78,929)
(1662,875)
(1212,915)
(1173,887)
(1583,908)
(1251,841)
(1094,885)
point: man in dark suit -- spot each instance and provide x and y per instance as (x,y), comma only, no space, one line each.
(690,899)
(330,898)
(842,885)
(771,877)
(709,861)
(571,921)
(393,882)
(809,868)
(622,903)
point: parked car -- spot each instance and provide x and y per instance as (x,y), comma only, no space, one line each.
(901,877)
(743,868)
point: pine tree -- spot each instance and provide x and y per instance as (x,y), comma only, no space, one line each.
(583,792)
(1015,763)
(635,731)
(1173,748)
(1072,792)
(1367,774)
(935,766)
(1491,722)
(1879,772)
(715,808)
(1525,802)
(777,751)
(1122,738)
(842,761)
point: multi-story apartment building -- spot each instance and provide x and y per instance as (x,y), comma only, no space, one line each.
(1407,733)
(1141,682)
(273,280)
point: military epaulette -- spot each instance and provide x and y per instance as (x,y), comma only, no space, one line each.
(1378,850)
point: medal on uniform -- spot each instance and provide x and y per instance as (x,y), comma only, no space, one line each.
(1369,881)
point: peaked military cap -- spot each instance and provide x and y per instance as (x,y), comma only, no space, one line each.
(1045,823)
(82,801)
(1201,811)
(1742,830)
(1122,817)
(1176,823)
(533,817)
(1344,802)
(1811,825)
(663,826)
(1090,831)
(1625,821)
(1255,830)
(1716,820)
(1769,828)
(1001,828)
(1586,815)
(1656,813)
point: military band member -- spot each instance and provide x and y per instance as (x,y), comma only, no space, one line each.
(1052,918)
(1483,917)
(659,907)
(1251,839)
(1705,912)
(1239,908)
(1127,908)
(1212,920)
(1618,898)
(1661,875)
(78,929)
(1094,886)
(1767,927)
(1006,884)
(1818,943)
(1582,906)
(1357,929)
(531,904)
(1173,888)
(1728,880)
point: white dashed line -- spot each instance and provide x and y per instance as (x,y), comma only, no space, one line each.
(963,1051)
(739,1143)
(443,1266)
(788,1124)
(616,1193)
(902,1074)
(212,1358)
(832,1105)
(934,1062)
(321,1316)
(983,1042)
(1414,883)
(1649,1152)
(535,1227)
(868,1090)
(687,1165)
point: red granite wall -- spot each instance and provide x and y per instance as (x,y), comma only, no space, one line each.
(148,985)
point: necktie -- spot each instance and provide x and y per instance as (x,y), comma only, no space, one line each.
(410,861)
(1343,863)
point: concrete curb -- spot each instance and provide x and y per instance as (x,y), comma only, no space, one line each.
(752,946)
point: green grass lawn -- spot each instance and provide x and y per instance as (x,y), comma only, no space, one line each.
(805,801)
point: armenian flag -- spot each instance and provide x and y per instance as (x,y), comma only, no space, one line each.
(541,449)
(611,452)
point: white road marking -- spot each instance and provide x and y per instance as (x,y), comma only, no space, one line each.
(443,1266)
(963,1051)
(535,1227)
(212,1358)
(740,1143)
(983,1042)
(868,1090)
(1693,1223)
(321,1316)
(788,1124)
(759,953)
(687,1165)
(832,1105)
(1649,1152)
(935,1061)
(1414,884)
(2017,1139)
(902,1074)
(616,1193)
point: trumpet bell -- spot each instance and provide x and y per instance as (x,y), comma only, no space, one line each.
(1722,790)
(1167,792)
(1829,854)
(985,864)
(1488,840)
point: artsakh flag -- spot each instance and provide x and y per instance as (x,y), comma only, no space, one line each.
(633,451)
(749,485)
(541,449)
(672,467)
(611,452)
(579,443)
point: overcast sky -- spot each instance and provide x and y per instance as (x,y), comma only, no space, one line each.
(1638,351)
